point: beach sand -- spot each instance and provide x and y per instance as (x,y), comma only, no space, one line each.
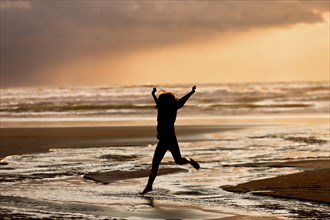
(25,140)
(312,184)
(112,176)
(35,140)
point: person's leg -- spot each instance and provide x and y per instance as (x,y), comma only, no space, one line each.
(194,164)
(175,150)
(158,156)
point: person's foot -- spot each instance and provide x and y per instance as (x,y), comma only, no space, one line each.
(194,164)
(146,190)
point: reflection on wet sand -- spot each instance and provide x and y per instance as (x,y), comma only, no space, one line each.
(50,184)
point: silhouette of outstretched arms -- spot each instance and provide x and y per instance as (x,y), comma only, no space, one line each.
(154,96)
(182,101)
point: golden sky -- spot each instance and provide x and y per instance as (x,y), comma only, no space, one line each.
(148,42)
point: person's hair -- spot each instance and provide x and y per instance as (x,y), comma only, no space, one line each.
(166,99)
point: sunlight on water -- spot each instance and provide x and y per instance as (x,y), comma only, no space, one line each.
(210,100)
(57,176)
(51,184)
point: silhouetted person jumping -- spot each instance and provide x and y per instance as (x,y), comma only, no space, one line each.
(167,106)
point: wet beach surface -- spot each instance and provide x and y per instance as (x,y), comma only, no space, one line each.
(51,184)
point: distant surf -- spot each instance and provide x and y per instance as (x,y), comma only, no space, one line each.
(136,101)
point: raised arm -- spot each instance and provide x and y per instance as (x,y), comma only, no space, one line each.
(182,101)
(154,96)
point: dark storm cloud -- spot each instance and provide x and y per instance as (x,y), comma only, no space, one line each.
(38,35)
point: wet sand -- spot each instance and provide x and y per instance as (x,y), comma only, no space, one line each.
(25,140)
(112,176)
(311,185)
(24,137)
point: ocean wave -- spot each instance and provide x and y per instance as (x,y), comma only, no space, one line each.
(252,106)
(51,107)
(213,99)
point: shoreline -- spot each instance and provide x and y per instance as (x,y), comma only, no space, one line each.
(26,140)
(142,121)
(37,136)
(309,185)
(229,136)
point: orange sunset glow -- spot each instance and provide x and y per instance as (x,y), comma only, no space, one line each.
(165,109)
(179,46)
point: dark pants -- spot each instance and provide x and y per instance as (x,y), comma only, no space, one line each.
(163,146)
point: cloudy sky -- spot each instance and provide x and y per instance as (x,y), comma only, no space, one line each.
(58,42)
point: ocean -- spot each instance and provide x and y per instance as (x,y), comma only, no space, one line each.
(273,122)
(210,100)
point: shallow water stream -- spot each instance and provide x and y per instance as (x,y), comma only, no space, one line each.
(51,185)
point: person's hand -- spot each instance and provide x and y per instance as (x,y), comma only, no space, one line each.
(193,88)
(154,90)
